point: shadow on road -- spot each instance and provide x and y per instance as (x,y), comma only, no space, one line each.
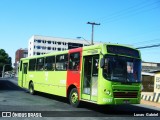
(118,109)
(7,85)
(53,97)
(105,110)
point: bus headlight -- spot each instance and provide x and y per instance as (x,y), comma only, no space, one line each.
(107,92)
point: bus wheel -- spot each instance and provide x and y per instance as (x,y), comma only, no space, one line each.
(31,88)
(73,98)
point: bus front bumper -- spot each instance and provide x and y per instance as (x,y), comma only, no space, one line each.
(126,101)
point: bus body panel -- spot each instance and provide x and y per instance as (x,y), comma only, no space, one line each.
(52,82)
(73,77)
(60,83)
(120,91)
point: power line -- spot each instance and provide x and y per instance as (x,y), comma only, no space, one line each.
(158,45)
(130,15)
(147,41)
(121,14)
(143,33)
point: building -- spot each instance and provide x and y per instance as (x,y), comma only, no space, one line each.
(21,53)
(151,86)
(149,72)
(148,81)
(157,81)
(150,66)
(152,81)
(39,45)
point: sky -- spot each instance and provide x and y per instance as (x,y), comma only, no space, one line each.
(131,22)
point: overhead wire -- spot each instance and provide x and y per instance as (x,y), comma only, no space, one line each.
(119,12)
(157,45)
(133,10)
(147,41)
(130,14)
(129,11)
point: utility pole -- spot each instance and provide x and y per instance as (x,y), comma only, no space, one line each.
(92,23)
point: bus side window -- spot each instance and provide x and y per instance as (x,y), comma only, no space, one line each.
(32,64)
(50,63)
(74,61)
(61,62)
(40,64)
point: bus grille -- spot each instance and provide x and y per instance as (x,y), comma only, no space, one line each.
(125,94)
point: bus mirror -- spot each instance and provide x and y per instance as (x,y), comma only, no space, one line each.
(102,62)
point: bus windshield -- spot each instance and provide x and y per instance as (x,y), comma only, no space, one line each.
(122,69)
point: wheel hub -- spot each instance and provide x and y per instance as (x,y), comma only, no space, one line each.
(74,98)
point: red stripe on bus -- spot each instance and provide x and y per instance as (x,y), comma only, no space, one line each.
(73,77)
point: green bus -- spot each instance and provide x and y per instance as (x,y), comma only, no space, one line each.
(101,74)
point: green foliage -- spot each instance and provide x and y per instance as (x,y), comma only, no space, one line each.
(5,59)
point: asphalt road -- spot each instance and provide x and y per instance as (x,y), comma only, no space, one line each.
(16,100)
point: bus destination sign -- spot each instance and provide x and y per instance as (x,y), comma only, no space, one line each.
(122,50)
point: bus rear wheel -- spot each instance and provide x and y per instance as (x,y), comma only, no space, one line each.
(73,98)
(31,88)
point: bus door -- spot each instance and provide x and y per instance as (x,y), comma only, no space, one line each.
(24,74)
(90,78)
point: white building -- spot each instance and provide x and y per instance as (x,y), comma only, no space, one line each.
(39,45)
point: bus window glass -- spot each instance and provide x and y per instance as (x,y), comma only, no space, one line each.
(122,69)
(32,64)
(95,66)
(61,62)
(25,65)
(50,63)
(21,66)
(40,64)
(74,61)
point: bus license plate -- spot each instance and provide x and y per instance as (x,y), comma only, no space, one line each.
(126,101)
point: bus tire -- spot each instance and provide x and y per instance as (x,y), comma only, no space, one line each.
(31,88)
(73,98)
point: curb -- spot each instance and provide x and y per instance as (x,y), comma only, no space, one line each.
(152,98)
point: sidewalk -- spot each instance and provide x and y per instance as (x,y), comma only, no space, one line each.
(154,104)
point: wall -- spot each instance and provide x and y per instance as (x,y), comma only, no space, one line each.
(148,83)
(157,82)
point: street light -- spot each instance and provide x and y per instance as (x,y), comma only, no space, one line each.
(4,69)
(84,39)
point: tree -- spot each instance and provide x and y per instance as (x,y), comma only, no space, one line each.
(5,59)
